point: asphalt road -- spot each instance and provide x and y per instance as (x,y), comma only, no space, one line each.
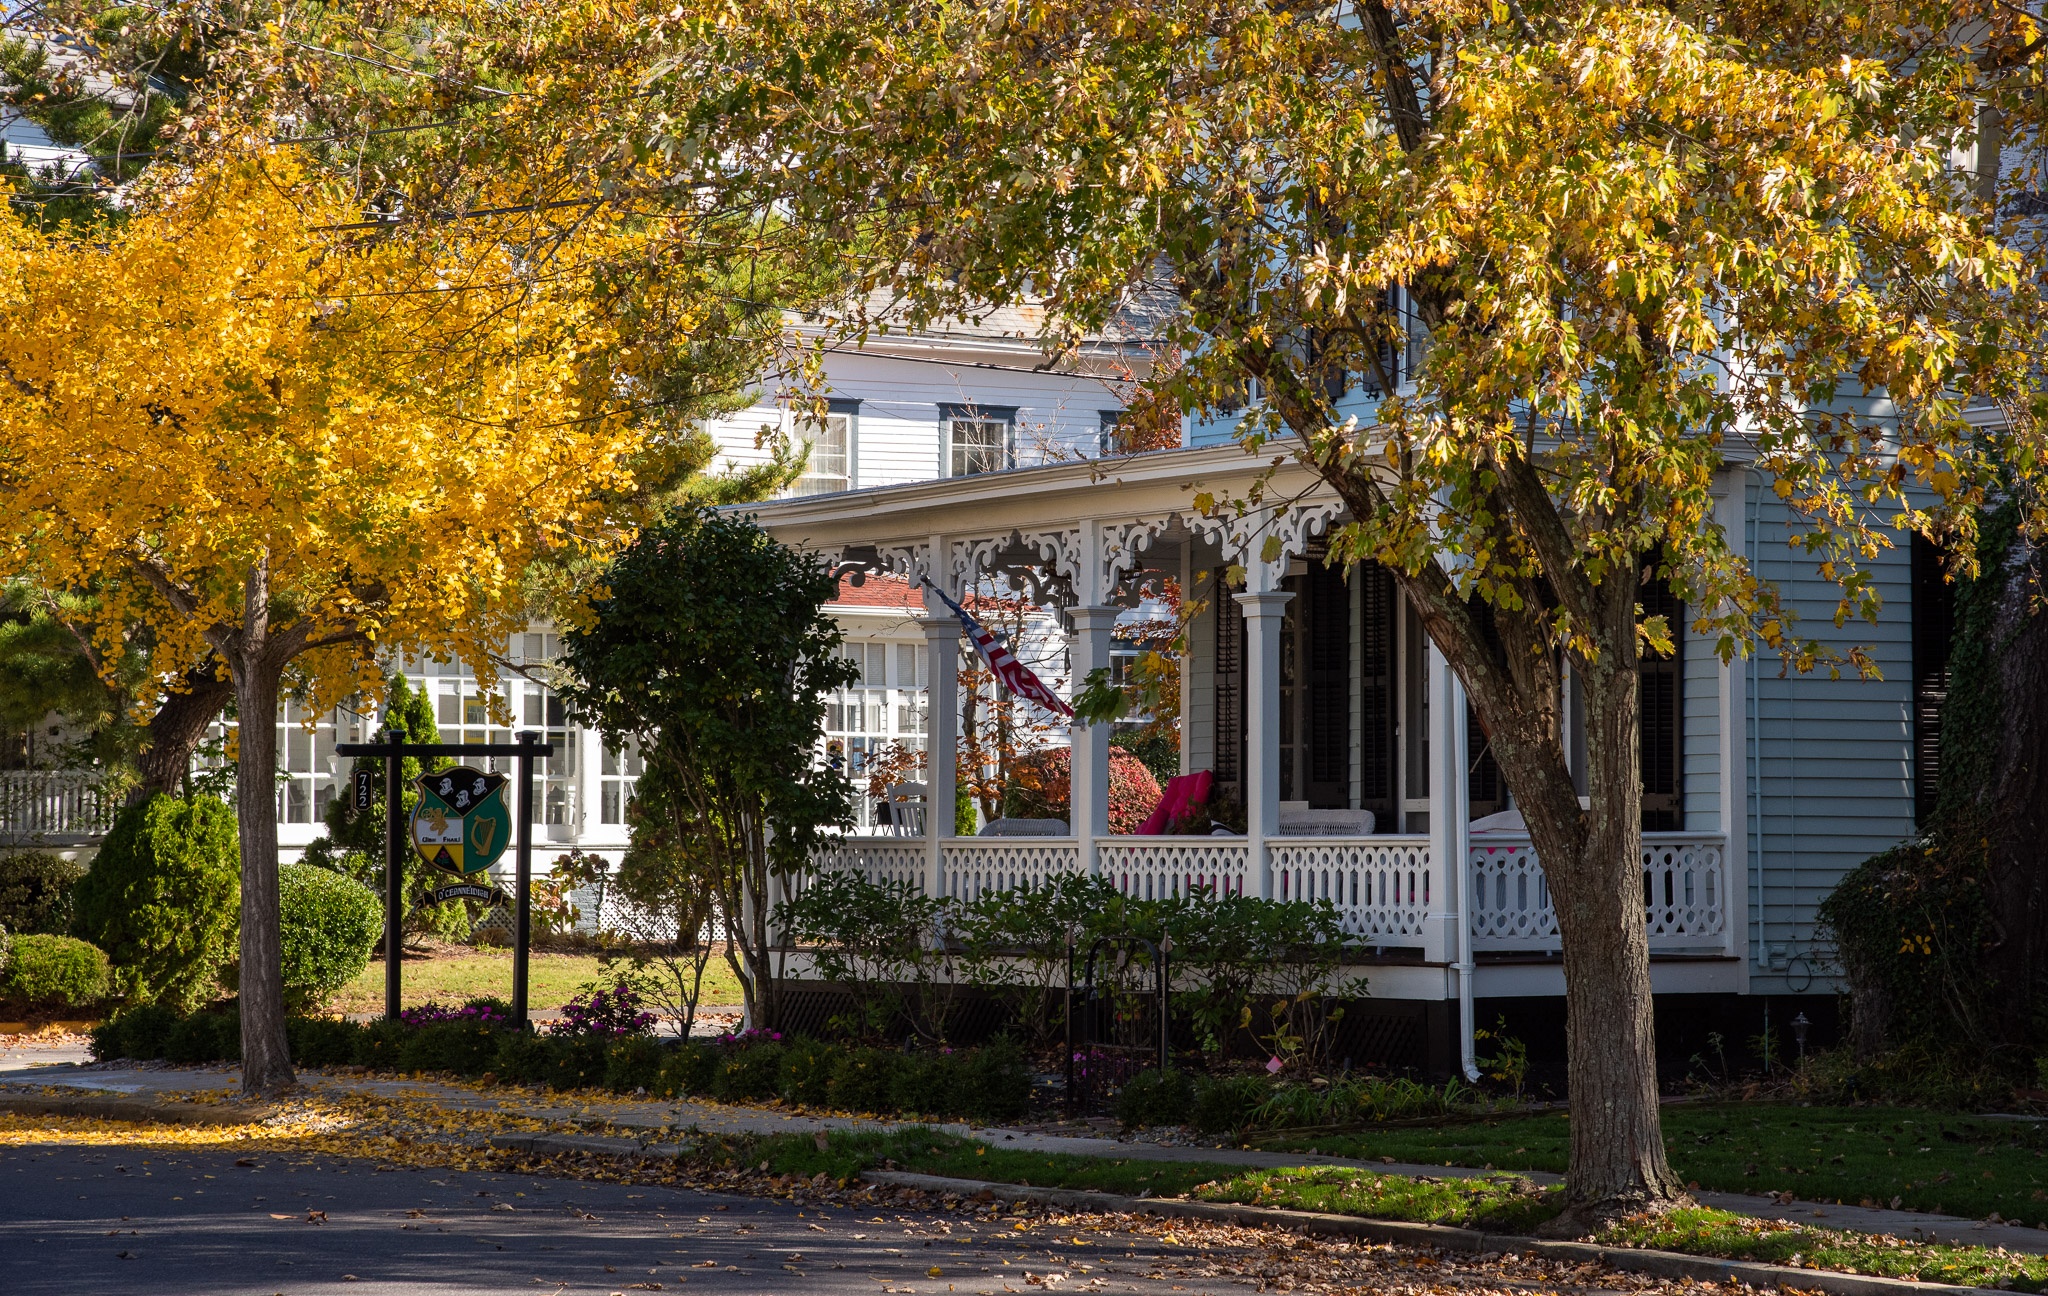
(111,1219)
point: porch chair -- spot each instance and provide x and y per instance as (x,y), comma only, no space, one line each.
(1297,820)
(1024,828)
(905,804)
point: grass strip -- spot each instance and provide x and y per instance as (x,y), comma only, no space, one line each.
(1500,1202)
(1894,1157)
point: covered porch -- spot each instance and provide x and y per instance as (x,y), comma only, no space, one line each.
(1303,688)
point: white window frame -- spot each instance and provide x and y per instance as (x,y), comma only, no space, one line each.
(958,458)
(842,417)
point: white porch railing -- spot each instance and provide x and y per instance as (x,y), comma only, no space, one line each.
(59,807)
(1159,868)
(974,866)
(1382,886)
(1685,894)
(1387,889)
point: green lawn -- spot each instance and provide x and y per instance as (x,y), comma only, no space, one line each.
(1880,1156)
(452,978)
(1498,1203)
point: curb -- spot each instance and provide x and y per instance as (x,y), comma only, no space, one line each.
(1661,1264)
(574,1144)
(129,1109)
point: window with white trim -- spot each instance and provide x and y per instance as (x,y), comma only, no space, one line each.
(978,438)
(617,774)
(830,438)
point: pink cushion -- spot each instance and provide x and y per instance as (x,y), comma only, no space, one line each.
(1182,791)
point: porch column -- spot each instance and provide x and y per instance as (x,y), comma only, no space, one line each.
(1088,804)
(942,720)
(1262,614)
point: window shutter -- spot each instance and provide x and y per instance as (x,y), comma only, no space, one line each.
(1660,714)
(1934,613)
(1329,687)
(1376,690)
(1229,699)
(1487,790)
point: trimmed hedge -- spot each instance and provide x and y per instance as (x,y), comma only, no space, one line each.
(53,973)
(329,924)
(989,1084)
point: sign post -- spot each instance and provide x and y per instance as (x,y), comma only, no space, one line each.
(462,824)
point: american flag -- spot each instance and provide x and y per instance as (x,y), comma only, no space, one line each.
(1002,663)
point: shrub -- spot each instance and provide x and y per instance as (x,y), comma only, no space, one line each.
(35,892)
(54,972)
(633,1063)
(162,899)
(920,1084)
(1227,1104)
(870,939)
(807,1072)
(205,1037)
(523,1058)
(992,1083)
(605,1014)
(465,1048)
(1041,788)
(862,1079)
(749,1073)
(379,1043)
(1155,1097)
(322,1041)
(577,1061)
(138,1032)
(687,1070)
(329,924)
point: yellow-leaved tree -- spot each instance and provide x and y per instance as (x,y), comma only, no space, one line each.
(259,426)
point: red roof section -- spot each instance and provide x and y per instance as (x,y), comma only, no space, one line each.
(879,591)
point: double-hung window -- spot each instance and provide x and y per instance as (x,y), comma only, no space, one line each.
(830,440)
(977,438)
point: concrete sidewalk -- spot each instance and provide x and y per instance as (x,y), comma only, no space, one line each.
(667,1119)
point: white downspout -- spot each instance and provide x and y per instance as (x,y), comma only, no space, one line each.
(1451,833)
(1460,837)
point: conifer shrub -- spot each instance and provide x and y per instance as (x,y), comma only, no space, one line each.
(162,899)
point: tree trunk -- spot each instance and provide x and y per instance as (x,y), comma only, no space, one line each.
(2013,801)
(175,731)
(1617,1145)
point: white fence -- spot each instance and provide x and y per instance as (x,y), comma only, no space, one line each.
(54,807)
(1387,889)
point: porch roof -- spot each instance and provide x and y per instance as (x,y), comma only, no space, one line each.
(1108,507)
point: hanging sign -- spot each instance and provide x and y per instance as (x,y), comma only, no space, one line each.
(469,891)
(461,823)
(362,787)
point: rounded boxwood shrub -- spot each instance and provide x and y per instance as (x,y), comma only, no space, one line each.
(378,1043)
(633,1063)
(687,1071)
(749,1074)
(1223,1106)
(322,1041)
(1155,1097)
(807,1072)
(138,1033)
(920,1084)
(330,923)
(463,1047)
(162,899)
(35,892)
(523,1058)
(990,1083)
(205,1037)
(861,1079)
(53,973)
(576,1061)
